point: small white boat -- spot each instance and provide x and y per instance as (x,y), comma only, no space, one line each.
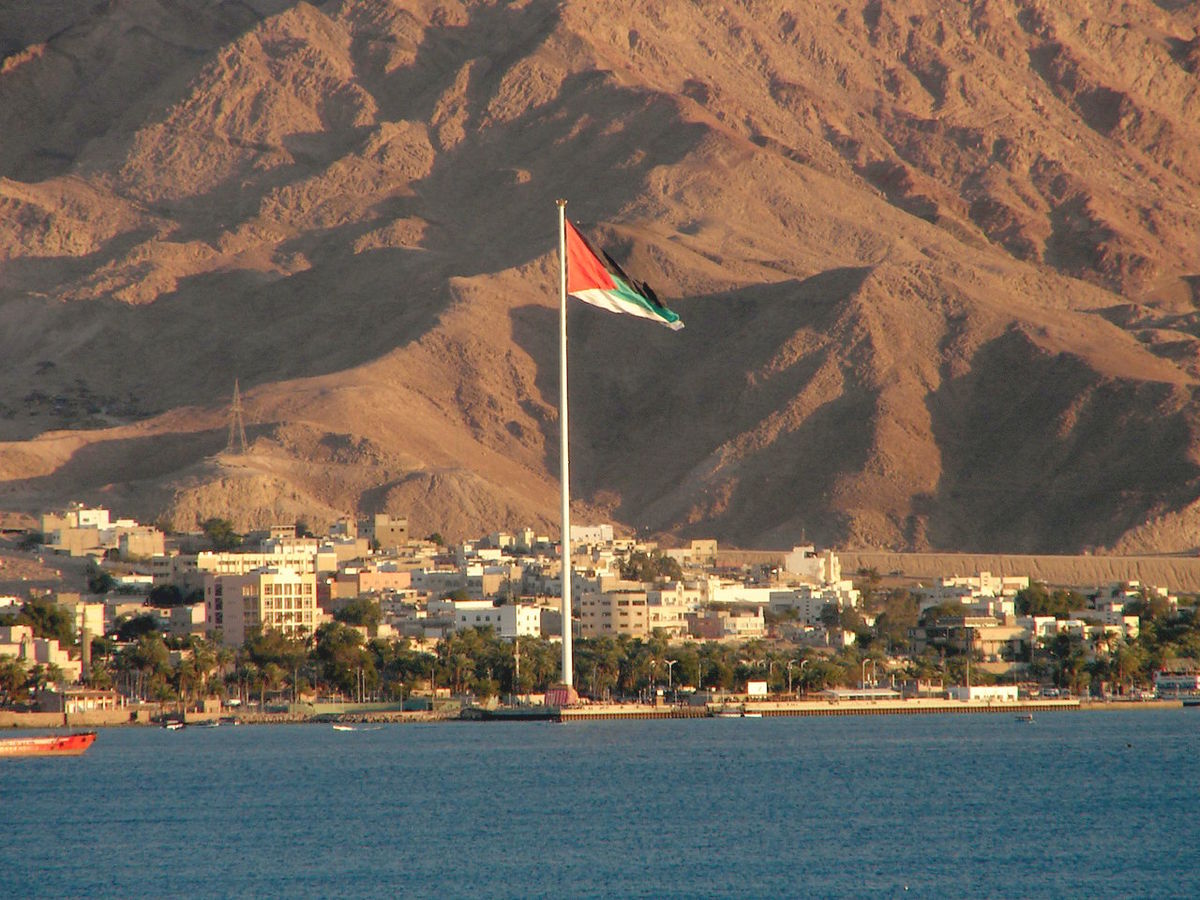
(1025,717)
(735,712)
(344,728)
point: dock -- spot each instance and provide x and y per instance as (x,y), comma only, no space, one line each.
(821,707)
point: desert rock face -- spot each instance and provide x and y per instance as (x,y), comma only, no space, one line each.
(938,264)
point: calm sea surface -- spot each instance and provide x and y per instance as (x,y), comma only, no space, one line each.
(1074,805)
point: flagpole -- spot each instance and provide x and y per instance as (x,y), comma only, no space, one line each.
(568,675)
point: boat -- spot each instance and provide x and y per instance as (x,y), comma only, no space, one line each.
(513,714)
(48,745)
(733,712)
(344,728)
(1025,717)
(173,725)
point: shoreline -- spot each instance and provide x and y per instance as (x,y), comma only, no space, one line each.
(14,721)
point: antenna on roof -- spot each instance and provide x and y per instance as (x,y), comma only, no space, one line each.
(237,428)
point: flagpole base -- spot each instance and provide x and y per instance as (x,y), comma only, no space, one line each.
(562,695)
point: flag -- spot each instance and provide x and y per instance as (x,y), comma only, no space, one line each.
(594,278)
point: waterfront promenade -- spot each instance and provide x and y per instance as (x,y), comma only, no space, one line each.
(764,708)
(816,707)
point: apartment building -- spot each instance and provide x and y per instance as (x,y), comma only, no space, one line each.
(269,597)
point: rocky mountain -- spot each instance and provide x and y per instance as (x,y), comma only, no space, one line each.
(938,263)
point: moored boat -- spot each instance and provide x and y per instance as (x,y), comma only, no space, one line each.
(48,745)
(728,712)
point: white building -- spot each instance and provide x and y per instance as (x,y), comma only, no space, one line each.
(508,621)
(810,600)
(719,590)
(807,565)
(1174,684)
(591,534)
(983,693)
(986,594)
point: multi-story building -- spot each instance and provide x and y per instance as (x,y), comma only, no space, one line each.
(698,553)
(721,624)
(386,532)
(615,612)
(18,641)
(509,620)
(80,531)
(809,601)
(438,582)
(985,594)
(87,616)
(591,534)
(269,597)
(140,542)
(807,565)
(302,559)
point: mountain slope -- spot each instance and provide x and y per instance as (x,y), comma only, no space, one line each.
(937,265)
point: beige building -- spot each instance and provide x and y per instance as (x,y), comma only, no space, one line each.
(86,615)
(140,542)
(613,613)
(388,533)
(300,559)
(18,641)
(698,553)
(723,624)
(278,598)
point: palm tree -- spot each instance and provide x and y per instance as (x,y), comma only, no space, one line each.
(13,677)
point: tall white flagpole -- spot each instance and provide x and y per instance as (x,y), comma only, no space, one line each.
(568,675)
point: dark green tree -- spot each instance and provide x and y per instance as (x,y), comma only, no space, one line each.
(340,655)
(361,611)
(1038,600)
(100,581)
(650,567)
(165,595)
(48,620)
(220,534)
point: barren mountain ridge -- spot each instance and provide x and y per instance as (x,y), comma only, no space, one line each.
(938,264)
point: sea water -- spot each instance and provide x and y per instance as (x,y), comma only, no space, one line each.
(1075,804)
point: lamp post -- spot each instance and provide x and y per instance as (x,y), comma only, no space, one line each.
(803,663)
(670,668)
(790,663)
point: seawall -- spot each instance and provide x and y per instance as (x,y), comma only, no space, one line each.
(1179,573)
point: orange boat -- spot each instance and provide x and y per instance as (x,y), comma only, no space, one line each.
(50,745)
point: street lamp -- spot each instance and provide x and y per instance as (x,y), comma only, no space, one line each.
(803,663)
(670,668)
(790,663)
